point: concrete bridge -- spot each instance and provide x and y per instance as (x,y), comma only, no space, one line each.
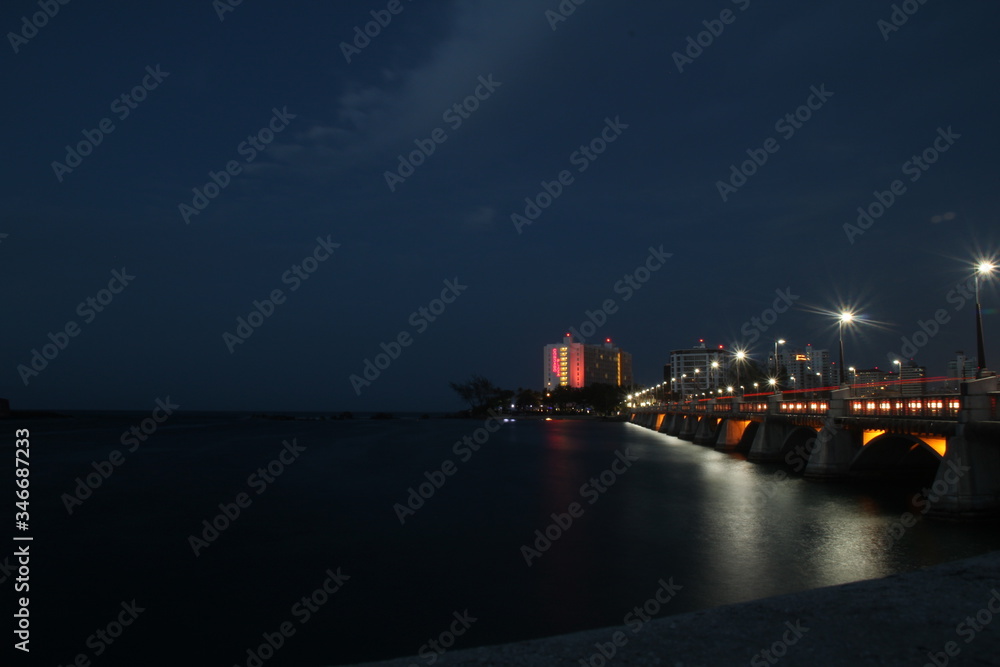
(954,437)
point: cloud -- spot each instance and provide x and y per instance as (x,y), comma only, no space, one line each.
(371,119)
(944,217)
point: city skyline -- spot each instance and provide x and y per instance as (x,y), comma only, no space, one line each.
(411,196)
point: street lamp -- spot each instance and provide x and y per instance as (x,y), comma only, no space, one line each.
(715,373)
(774,384)
(845,317)
(984,269)
(899,363)
(780,341)
(740,356)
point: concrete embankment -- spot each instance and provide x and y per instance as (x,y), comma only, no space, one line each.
(902,619)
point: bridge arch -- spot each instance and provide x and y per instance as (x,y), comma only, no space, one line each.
(795,448)
(899,453)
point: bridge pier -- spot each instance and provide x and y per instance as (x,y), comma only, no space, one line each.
(706,433)
(969,473)
(768,441)
(830,455)
(689,427)
(676,423)
(731,434)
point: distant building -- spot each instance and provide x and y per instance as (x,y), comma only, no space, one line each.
(962,367)
(912,377)
(810,368)
(697,369)
(871,381)
(570,364)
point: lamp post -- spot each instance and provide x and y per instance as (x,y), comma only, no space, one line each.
(715,374)
(899,363)
(780,341)
(774,385)
(854,378)
(740,356)
(844,318)
(984,269)
(683,377)
(696,371)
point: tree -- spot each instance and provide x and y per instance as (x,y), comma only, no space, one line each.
(478,392)
(603,398)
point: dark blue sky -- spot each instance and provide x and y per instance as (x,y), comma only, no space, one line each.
(324,176)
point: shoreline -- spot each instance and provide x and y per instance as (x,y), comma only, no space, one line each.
(895,620)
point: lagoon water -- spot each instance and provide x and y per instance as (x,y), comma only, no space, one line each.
(721,528)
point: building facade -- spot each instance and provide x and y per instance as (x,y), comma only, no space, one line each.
(571,364)
(807,369)
(697,369)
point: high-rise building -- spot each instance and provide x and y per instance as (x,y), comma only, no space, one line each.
(810,368)
(911,377)
(570,364)
(697,369)
(962,367)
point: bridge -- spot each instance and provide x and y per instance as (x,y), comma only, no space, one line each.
(954,437)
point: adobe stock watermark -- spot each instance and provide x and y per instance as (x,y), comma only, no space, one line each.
(897,19)
(627,286)
(968,630)
(433,649)
(436,478)
(103,638)
(914,168)
(926,330)
(562,12)
(381,18)
(88,310)
(591,491)
(454,116)
(122,106)
(294,276)
(759,324)
(248,149)
(635,620)
(713,29)
(223,7)
(779,649)
(420,320)
(924,501)
(302,611)
(85,486)
(581,158)
(257,481)
(787,126)
(37,21)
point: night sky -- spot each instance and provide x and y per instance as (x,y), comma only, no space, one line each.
(675,118)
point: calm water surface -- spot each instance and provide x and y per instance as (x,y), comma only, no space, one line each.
(722,528)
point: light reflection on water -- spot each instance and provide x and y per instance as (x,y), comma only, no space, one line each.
(725,529)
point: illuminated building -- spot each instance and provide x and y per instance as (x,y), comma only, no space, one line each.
(810,367)
(692,369)
(570,364)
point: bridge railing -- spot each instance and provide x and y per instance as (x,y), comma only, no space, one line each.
(921,406)
(803,407)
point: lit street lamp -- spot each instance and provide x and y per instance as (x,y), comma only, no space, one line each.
(845,317)
(899,363)
(780,341)
(984,269)
(740,356)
